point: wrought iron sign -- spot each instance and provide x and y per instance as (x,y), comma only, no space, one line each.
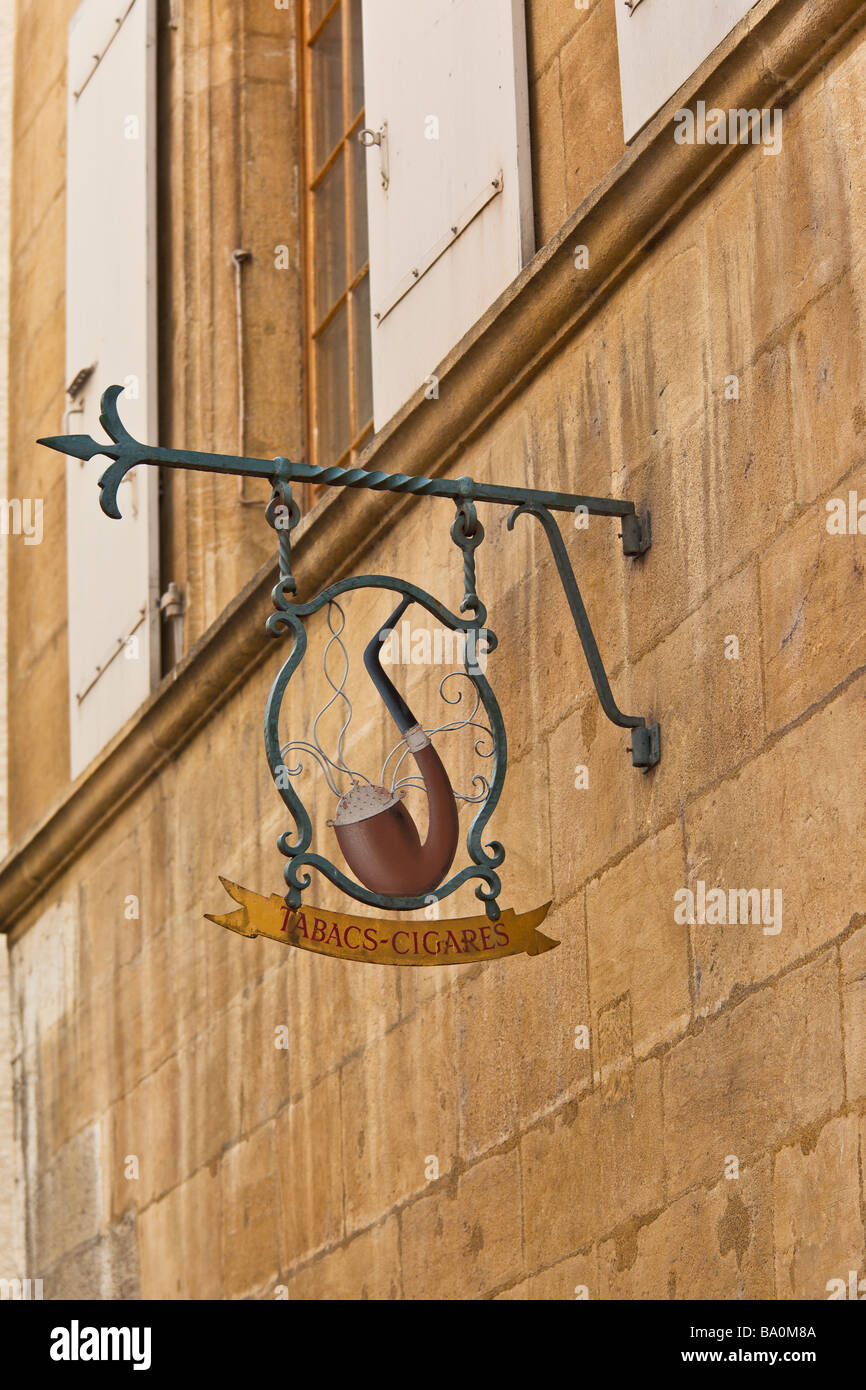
(375,833)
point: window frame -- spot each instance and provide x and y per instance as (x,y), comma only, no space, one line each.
(360,432)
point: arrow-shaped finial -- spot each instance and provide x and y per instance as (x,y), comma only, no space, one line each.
(125,450)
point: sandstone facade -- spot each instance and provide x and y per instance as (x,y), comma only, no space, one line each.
(711,1140)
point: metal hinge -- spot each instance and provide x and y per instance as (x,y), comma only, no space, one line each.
(119,22)
(112,655)
(73,391)
(79,381)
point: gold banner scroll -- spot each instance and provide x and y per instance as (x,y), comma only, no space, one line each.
(375,941)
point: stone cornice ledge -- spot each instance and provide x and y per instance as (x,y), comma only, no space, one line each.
(766,59)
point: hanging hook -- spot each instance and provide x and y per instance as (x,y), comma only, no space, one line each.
(468,533)
(283,514)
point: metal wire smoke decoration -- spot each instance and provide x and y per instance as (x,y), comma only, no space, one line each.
(337,765)
(315,750)
(470,722)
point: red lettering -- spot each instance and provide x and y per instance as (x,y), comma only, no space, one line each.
(287,914)
(485,944)
(301,924)
(469,946)
(334,932)
(451,940)
(348,946)
(435,936)
(503,936)
(368,944)
(415,939)
(319,935)
(394,942)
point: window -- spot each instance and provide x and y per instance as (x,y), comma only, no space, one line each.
(337,262)
(440,192)
(661,43)
(449,187)
(111,324)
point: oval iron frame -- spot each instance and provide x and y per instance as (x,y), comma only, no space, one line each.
(289,617)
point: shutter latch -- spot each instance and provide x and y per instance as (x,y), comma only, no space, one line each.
(73,392)
(379,137)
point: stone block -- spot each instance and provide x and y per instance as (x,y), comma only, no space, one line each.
(817,1215)
(249,1221)
(635,946)
(804,793)
(516,1024)
(853,960)
(465,1238)
(310,1173)
(754,1075)
(179,1240)
(590,1168)
(366,1267)
(715,1244)
(400,1111)
(812,587)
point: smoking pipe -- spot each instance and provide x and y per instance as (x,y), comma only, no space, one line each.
(376,834)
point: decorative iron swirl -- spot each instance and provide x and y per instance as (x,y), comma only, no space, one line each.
(315,749)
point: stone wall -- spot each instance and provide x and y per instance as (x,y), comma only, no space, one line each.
(11,1230)
(440,1134)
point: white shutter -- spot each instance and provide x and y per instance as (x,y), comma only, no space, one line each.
(661,43)
(454,226)
(111,322)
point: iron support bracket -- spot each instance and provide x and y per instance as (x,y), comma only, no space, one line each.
(127,453)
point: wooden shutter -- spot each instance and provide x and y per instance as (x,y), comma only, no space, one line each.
(661,43)
(445,83)
(111,326)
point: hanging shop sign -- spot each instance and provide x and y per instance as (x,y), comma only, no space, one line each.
(390,868)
